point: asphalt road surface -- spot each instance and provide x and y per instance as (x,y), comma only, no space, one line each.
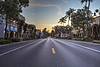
(50,52)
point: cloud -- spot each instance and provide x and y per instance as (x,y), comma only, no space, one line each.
(65,1)
(60,12)
(48,1)
(41,5)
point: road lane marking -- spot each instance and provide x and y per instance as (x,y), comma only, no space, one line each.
(92,43)
(81,46)
(88,48)
(13,43)
(53,51)
(20,48)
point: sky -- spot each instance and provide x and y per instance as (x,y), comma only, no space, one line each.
(46,13)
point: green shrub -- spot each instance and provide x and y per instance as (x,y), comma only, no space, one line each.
(87,39)
(15,40)
(5,41)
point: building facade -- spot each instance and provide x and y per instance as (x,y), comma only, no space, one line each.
(96,28)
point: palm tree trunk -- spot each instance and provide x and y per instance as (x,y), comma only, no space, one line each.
(85,3)
(68,20)
(88,5)
(84,30)
(63,24)
(88,25)
(6,24)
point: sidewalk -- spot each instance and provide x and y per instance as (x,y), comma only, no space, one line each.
(96,41)
(93,41)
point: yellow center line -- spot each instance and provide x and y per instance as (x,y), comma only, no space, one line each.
(53,51)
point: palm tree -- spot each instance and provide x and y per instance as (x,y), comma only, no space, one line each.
(56,29)
(68,14)
(25,27)
(69,29)
(62,21)
(32,29)
(97,11)
(52,33)
(11,9)
(87,7)
(20,28)
(87,3)
(82,1)
(78,20)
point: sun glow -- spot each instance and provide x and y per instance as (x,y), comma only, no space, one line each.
(49,26)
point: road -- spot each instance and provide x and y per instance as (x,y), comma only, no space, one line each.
(50,52)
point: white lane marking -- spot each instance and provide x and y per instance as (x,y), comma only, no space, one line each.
(84,42)
(14,43)
(2,45)
(20,48)
(88,48)
(53,51)
(82,46)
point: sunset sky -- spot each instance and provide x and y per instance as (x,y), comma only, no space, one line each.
(46,13)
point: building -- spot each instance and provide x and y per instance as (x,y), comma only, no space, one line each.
(2,26)
(96,28)
(96,20)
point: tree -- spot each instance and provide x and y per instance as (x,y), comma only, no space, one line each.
(62,21)
(88,14)
(1,6)
(45,33)
(97,11)
(78,19)
(58,30)
(69,13)
(11,9)
(87,3)
(32,29)
(20,28)
(25,27)
(52,33)
(68,29)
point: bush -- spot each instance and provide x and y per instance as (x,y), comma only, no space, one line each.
(87,39)
(15,40)
(5,41)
